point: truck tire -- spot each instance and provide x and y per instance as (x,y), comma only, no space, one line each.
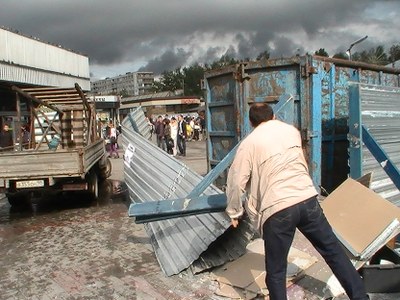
(105,168)
(93,184)
(19,199)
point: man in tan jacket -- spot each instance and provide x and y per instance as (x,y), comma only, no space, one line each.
(269,176)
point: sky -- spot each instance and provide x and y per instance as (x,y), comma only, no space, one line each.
(123,36)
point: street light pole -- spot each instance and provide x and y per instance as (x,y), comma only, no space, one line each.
(355,43)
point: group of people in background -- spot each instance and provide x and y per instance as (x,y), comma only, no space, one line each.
(7,139)
(173,132)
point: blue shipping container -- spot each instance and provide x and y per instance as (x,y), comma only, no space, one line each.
(317,91)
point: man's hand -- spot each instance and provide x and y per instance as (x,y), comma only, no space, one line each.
(235,222)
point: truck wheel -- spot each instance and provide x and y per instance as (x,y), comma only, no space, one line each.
(105,168)
(19,199)
(93,185)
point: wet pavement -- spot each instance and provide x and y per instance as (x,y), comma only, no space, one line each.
(68,247)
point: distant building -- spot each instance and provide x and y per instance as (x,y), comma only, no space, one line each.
(107,108)
(161,103)
(132,84)
(27,62)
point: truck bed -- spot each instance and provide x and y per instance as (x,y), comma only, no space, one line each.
(31,164)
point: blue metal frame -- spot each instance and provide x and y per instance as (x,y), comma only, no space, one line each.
(315,133)
(167,209)
(355,147)
(332,115)
(207,121)
(244,112)
(381,156)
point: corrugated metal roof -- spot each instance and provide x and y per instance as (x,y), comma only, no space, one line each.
(26,75)
(380,109)
(200,241)
(33,53)
(159,95)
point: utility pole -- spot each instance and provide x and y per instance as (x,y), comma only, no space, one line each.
(355,43)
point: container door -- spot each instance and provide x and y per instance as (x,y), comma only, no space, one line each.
(222,115)
(230,94)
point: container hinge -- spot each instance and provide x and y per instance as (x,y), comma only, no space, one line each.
(354,142)
(310,134)
(243,75)
(202,85)
(307,70)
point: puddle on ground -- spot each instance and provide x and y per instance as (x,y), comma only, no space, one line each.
(110,193)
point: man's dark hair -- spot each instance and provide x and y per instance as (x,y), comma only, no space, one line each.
(260,112)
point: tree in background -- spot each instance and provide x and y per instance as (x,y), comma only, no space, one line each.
(375,56)
(225,60)
(321,52)
(192,79)
(394,53)
(169,81)
(341,55)
(186,79)
(124,93)
(263,55)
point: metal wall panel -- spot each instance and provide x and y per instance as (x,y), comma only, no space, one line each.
(21,74)
(380,113)
(136,121)
(29,52)
(200,241)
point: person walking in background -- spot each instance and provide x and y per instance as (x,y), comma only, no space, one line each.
(271,173)
(113,141)
(159,130)
(182,134)
(203,127)
(196,130)
(189,129)
(174,135)
(26,136)
(6,138)
(169,143)
(151,127)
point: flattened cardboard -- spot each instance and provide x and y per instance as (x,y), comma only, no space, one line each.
(243,271)
(246,275)
(232,292)
(358,215)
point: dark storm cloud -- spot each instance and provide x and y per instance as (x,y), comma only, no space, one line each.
(210,55)
(161,35)
(168,60)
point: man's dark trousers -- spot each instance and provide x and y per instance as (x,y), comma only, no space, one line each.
(278,234)
(181,141)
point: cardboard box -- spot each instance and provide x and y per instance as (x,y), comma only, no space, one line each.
(362,220)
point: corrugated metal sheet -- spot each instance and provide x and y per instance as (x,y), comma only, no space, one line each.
(136,121)
(21,50)
(21,74)
(380,111)
(200,241)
